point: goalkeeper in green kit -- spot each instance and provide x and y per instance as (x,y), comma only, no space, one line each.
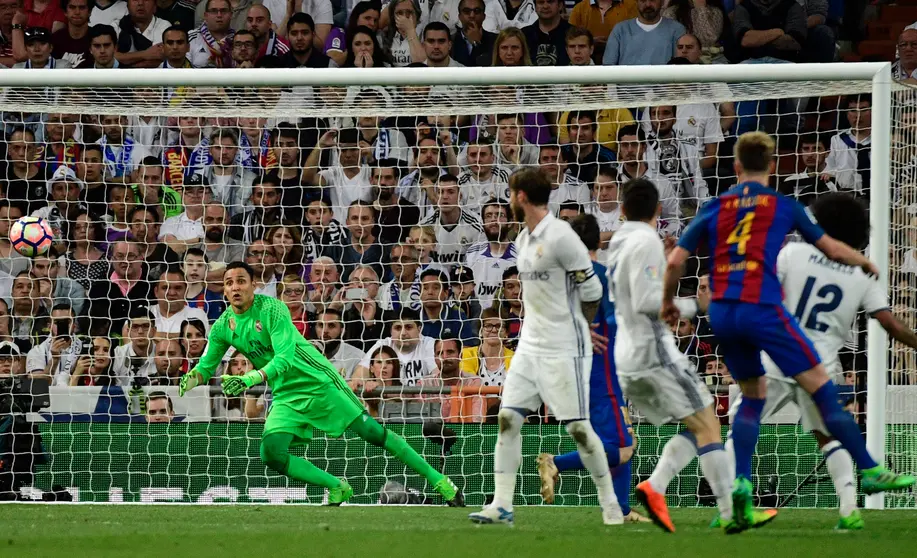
(306,389)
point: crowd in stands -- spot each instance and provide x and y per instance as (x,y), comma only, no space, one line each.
(389,239)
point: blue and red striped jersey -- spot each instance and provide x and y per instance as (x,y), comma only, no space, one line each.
(745,228)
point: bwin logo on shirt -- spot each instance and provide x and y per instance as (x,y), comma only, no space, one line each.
(535,275)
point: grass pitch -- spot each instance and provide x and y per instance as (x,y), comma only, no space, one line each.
(421,532)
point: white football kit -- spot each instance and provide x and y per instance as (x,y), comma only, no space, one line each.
(655,376)
(825,296)
(554,357)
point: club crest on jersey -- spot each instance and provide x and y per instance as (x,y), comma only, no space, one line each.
(651,271)
(258,327)
(539,251)
(232,324)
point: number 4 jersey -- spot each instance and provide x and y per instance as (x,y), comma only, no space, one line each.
(825,297)
(744,229)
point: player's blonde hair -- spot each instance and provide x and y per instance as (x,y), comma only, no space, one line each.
(755,152)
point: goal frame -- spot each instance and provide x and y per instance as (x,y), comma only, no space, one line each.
(878,73)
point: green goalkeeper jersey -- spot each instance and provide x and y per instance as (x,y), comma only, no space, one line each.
(265,334)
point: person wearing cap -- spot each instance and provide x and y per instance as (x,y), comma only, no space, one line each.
(135,359)
(187,228)
(463,288)
(55,357)
(65,200)
(10,359)
(440,319)
(36,49)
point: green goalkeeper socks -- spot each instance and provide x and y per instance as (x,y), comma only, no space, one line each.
(370,430)
(275,452)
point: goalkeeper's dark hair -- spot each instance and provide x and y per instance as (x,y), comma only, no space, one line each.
(843,217)
(586,227)
(240,265)
(640,200)
(533,183)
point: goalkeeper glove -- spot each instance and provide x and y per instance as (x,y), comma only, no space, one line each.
(188,382)
(235,385)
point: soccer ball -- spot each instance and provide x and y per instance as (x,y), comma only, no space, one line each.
(31,236)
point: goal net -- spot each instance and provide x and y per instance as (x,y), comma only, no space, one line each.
(373,203)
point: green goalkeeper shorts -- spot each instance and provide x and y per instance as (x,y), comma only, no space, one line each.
(331,411)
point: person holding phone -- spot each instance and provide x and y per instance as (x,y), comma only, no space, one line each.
(54,359)
(93,367)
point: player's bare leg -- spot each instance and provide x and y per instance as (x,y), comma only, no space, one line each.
(841,425)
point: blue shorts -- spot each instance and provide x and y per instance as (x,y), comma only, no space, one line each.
(607,409)
(744,330)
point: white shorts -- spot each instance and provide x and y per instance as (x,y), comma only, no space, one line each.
(667,393)
(560,383)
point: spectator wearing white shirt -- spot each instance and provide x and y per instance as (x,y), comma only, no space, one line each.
(488,260)
(230,182)
(329,332)
(107,12)
(346,179)
(399,40)
(503,14)
(55,358)
(632,164)
(456,229)
(437,44)
(564,187)
(484,179)
(140,35)
(667,155)
(849,158)
(414,351)
(905,68)
(172,308)
(606,206)
(133,361)
(211,43)
(187,228)
(121,154)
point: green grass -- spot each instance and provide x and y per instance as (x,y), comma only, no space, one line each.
(415,532)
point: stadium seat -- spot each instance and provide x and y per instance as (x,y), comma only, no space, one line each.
(877,49)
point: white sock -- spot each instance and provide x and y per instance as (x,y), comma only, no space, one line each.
(677,453)
(731,454)
(715,464)
(507,458)
(840,467)
(592,453)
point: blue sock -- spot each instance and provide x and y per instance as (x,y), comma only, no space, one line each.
(841,425)
(621,477)
(745,428)
(568,461)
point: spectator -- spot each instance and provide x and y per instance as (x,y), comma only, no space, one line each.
(437,44)
(169,357)
(404,288)
(696,127)
(11,262)
(293,196)
(606,205)
(64,204)
(820,45)
(103,41)
(112,301)
(210,45)
(33,48)
(72,42)
(848,163)
(600,17)
(509,14)
(488,260)
(472,45)
(647,39)
(322,229)
(149,190)
(565,187)
(413,349)
(286,241)
(509,303)
(140,35)
(172,308)
(632,164)
(580,46)
(188,152)
(28,317)
(266,211)
(423,238)
(378,141)
(362,246)
(484,179)
(465,298)
(107,12)
(364,51)
(688,48)
(905,69)
(234,408)
(511,49)
(395,215)
(304,52)
(230,182)
(807,185)
(120,205)
(705,22)
(63,289)
(179,13)
(329,331)
(25,181)
(569,210)
(244,50)
(383,373)
(187,228)
(431,160)
(8,9)
(512,149)
(768,31)
(581,150)
(490,360)
(193,339)
(293,294)
(400,43)
(133,361)
(546,37)
(364,316)
(175,49)
(145,227)
(455,228)
(219,248)
(60,148)
(198,293)
(440,319)
(364,14)
(90,169)
(159,408)
(448,360)
(260,256)
(345,180)
(675,159)
(55,358)
(86,262)
(238,17)
(122,155)
(94,368)
(267,41)
(324,282)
